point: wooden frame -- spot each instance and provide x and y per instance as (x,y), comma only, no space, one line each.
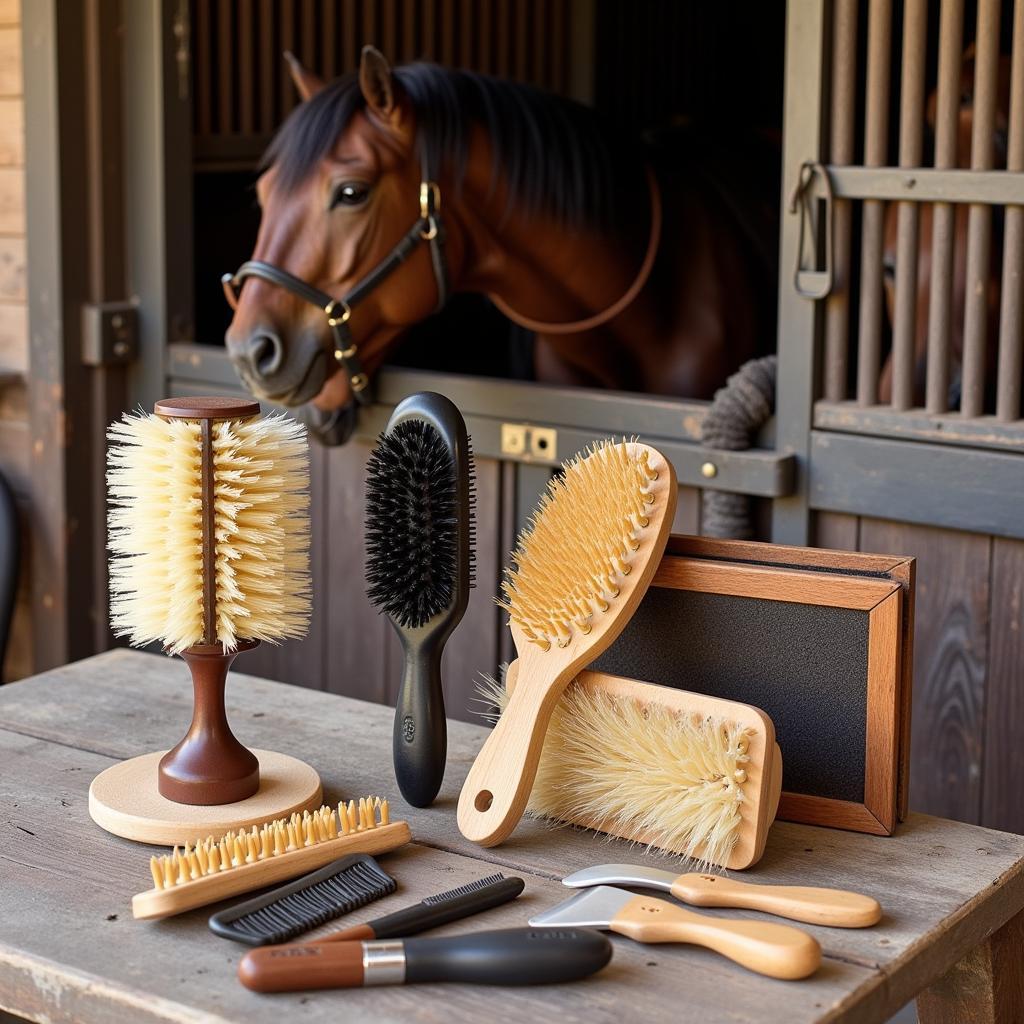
(773,573)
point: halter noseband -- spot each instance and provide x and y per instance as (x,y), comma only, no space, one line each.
(428,228)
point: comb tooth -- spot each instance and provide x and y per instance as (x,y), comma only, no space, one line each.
(385,812)
(167,865)
(154,868)
(351,812)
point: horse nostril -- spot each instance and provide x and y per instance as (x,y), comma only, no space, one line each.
(265,353)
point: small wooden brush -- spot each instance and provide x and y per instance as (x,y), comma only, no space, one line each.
(680,771)
(581,569)
(213,869)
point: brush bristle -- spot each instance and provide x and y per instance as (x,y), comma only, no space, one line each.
(275,838)
(261,527)
(412,524)
(643,772)
(580,540)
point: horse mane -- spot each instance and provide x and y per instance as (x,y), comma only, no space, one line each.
(554,153)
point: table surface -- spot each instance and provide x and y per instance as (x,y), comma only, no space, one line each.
(70,949)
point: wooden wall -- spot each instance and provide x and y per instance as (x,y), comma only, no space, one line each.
(14,428)
(967,761)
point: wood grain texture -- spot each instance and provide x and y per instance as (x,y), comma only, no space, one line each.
(12,270)
(880,783)
(14,337)
(12,132)
(10,61)
(12,201)
(10,12)
(944,886)
(836,530)
(952,621)
(1001,803)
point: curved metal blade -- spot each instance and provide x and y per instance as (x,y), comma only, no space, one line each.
(621,874)
(595,908)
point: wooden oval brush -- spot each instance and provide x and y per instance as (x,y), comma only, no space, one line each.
(419,554)
(580,571)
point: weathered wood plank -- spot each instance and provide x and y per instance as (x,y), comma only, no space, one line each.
(98,964)
(1002,806)
(12,132)
(836,530)
(10,61)
(951,645)
(12,201)
(10,12)
(14,337)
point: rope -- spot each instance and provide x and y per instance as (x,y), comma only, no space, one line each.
(737,412)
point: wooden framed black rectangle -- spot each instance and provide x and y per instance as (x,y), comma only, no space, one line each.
(819,647)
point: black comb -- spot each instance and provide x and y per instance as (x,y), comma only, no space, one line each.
(277,916)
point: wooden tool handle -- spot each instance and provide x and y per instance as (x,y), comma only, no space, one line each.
(776,950)
(496,791)
(298,966)
(833,907)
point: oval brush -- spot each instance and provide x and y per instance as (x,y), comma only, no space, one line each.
(419,553)
(582,567)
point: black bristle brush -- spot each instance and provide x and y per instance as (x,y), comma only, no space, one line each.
(419,566)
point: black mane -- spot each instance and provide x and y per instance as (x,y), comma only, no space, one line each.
(554,153)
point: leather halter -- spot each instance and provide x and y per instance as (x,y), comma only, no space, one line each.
(428,228)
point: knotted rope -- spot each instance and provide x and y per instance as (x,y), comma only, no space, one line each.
(737,412)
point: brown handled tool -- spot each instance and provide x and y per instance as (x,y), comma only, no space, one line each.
(776,950)
(835,908)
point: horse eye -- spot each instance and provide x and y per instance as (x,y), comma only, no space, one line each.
(350,193)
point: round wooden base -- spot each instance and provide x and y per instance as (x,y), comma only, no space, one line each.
(124,800)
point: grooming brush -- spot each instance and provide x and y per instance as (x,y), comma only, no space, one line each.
(835,908)
(419,553)
(214,869)
(776,950)
(209,541)
(581,569)
(277,916)
(513,956)
(695,775)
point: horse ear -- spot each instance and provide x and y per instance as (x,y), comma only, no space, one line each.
(377,85)
(305,81)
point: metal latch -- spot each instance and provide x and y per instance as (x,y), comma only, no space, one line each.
(812,283)
(526,443)
(110,333)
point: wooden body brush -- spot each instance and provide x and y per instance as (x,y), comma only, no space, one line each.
(581,569)
(419,554)
(680,771)
(209,540)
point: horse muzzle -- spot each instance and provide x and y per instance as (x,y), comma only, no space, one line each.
(271,372)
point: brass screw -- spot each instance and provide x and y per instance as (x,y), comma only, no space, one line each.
(709,469)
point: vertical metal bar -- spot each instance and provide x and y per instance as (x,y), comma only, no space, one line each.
(1011,313)
(204,65)
(798,319)
(269,63)
(844,106)
(940,295)
(246,41)
(286,26)
(329,40)
(979,222)
(226,65)
(873,234)
(350,37)
(915,29)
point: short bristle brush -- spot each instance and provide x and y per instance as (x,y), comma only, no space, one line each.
(212,869)
(580,571)
(419,553)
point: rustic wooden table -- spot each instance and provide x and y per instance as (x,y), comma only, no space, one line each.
(70,951)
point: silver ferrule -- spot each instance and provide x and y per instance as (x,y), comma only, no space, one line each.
(384,963)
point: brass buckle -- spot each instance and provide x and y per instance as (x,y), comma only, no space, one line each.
(430,200)
(337,321)
(343,354)
(358,381)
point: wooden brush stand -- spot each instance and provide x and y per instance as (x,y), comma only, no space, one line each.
(209,765)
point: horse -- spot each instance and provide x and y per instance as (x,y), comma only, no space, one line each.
(388,190)
(958,298)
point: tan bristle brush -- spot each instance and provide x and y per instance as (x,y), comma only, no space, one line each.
(580,571)
(213,869)
(684,772)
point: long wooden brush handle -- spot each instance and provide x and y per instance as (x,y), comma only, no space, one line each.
(776,950)
(836,908)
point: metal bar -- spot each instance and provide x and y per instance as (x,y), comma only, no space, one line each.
(938,428)
(799,319)
(979,223)
(925,185)
(226,65)
(269,62)
(876,132)
(940,295)
(915,30)
(909,482)
(844,106)
(1011,313)
(204,70)
(246,41)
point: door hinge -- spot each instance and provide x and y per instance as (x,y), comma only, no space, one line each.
(527,443)
(110,333)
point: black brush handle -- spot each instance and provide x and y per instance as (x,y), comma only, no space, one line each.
(420,740)
(513,956)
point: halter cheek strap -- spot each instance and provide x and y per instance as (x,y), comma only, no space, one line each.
(428,228)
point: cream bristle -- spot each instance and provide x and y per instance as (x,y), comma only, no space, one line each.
(261,528)
(580,541)
(641,771)
(263,842)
